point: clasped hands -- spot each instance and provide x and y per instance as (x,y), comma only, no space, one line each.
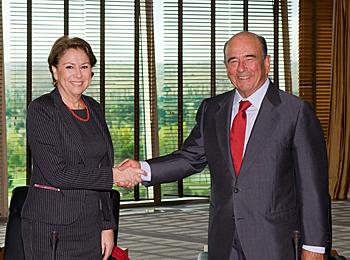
(128,173)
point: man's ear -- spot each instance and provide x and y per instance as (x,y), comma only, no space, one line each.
(267,63)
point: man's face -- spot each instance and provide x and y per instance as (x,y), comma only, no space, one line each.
(245,64)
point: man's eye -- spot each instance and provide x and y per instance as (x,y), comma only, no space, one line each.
(69,67)
(85,67)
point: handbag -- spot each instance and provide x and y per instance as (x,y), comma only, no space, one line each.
(118,254)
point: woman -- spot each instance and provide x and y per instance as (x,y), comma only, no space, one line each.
(67,212)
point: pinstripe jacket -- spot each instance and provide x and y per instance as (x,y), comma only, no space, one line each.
(60,180)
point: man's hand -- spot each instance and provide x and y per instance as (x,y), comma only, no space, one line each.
(308,255)
(107,243)
(129,163)
(128,177)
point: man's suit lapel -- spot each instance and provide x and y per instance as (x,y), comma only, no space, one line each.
(263,129)
(222,124)
(69,123)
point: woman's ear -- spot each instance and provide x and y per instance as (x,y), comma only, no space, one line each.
(54,71)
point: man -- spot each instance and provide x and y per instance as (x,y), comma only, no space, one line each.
(277,180)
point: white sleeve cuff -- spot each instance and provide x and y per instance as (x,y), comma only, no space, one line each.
(315,249)
(145,167)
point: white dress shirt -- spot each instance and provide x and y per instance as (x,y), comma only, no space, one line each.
(252,112)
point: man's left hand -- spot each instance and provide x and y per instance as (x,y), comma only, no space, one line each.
(308,255)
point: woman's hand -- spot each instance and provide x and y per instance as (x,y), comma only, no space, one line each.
(107,243)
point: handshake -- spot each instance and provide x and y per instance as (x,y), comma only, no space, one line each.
(128,173)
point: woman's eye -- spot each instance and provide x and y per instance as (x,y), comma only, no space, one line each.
(85,67)
(69,67)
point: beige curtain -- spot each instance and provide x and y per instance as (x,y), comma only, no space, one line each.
(3,155)
(339,127)
(315,48)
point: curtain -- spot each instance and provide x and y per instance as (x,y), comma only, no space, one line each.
(339,127)
(315,47)
(3,156)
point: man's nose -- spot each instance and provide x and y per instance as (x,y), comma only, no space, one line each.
(241,66)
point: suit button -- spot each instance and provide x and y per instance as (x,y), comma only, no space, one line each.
(235,190)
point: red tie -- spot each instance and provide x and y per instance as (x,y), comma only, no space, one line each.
(237,135)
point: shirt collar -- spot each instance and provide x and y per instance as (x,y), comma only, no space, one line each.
(256,98)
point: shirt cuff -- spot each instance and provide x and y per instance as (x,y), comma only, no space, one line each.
(146,168)
(315,249)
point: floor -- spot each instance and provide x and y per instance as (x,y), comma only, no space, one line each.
(164,233)
(341,227)
(180,232)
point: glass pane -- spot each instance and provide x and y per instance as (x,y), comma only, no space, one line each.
(196,58)
(119,35)
(229,21)
(47,26)
(84,22)
(15,85)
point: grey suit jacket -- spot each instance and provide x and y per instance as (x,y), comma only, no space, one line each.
(58,154)
(282,185)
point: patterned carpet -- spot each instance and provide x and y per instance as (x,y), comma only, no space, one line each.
(341,227)
(164,233)
(180,232)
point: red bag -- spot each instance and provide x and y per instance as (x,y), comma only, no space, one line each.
(119,254)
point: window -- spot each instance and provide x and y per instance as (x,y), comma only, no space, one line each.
(165,63)
(15,87)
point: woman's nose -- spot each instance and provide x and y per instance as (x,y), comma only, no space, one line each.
(78,72)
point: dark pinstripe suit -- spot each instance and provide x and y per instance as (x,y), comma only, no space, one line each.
(59,161)
(282,185)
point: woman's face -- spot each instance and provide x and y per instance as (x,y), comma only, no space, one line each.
(73,73)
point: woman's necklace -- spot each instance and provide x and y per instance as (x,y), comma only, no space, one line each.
(77,116)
